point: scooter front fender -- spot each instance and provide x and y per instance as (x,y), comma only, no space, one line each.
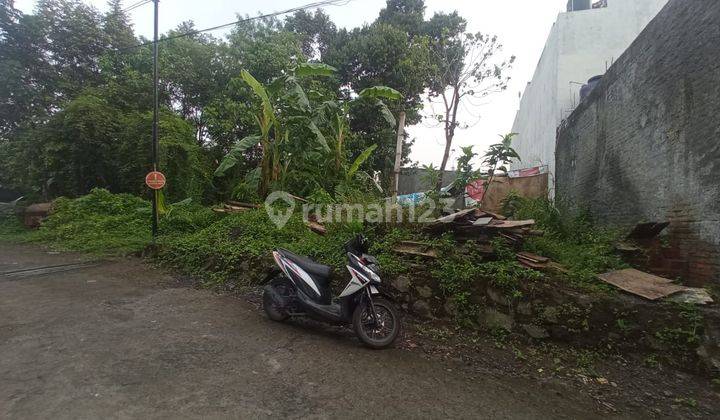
(380,289)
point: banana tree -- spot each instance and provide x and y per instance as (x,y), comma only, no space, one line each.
(286,118)
(335,114)
(283,104)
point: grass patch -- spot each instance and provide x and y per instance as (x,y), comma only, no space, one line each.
(198,241)
(221,247)
(573,240)
(13,231)
(461,274)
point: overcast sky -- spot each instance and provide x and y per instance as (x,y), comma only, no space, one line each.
(522,25)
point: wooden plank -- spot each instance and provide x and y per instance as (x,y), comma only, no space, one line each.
(452,217)
(533,257)
(482,221)
(641,284)
(511,224)
(498,216)
(241,204)
(515,239)
(316,227)
(414,248)
(531,264)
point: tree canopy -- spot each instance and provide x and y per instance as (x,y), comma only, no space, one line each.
(76,99)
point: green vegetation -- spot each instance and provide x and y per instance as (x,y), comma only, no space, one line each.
(573,241)
(220,249)
(287,103)
(462,274)
(99,222)
(687,401)
(651,361)
(199,241)
(687,334)
(294,151)
(12,229)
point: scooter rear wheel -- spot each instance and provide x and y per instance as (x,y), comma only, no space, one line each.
(270,307)
(377,335)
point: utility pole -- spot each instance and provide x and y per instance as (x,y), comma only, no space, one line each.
(398,155)
(155,123)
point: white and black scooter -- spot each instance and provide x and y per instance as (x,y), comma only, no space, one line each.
(302,288)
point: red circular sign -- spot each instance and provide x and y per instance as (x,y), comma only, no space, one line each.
(155,180)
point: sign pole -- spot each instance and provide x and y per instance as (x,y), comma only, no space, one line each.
(155,123)
(398,156)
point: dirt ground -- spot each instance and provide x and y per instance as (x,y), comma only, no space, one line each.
(121,339)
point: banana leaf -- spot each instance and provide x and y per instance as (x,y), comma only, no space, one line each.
(359,161)
(314,69)
(235,154)
(381,92)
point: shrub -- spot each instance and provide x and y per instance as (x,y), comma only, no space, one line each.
(99,222)
(573,240)
(186,218)
(220,248)
(12,229)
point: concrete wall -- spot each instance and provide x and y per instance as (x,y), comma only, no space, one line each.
(581,44)
(414,180)
(645,145)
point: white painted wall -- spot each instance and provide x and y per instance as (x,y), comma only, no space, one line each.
(581,44)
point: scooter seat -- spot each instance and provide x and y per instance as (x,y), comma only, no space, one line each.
(318,271)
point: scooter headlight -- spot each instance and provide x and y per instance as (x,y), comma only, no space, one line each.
(373,275)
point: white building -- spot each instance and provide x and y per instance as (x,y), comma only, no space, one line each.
(583,43)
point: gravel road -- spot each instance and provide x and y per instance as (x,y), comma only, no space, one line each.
(120,339)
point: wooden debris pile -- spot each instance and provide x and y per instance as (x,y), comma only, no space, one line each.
(235,207)
(482,225)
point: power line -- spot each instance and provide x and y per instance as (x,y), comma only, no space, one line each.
(136,5)
(248,19)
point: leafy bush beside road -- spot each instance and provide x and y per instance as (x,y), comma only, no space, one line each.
(216,247)
(99,222)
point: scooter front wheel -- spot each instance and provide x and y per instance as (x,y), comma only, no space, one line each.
(380,334)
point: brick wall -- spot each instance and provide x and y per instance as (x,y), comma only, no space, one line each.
(645,145)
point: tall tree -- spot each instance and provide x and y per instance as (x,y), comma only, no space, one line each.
(24,70)
(266,50)
(117,27)
(316,32)
(407,15)
(73,40)
(192,74)
(465,66)
(385,55)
